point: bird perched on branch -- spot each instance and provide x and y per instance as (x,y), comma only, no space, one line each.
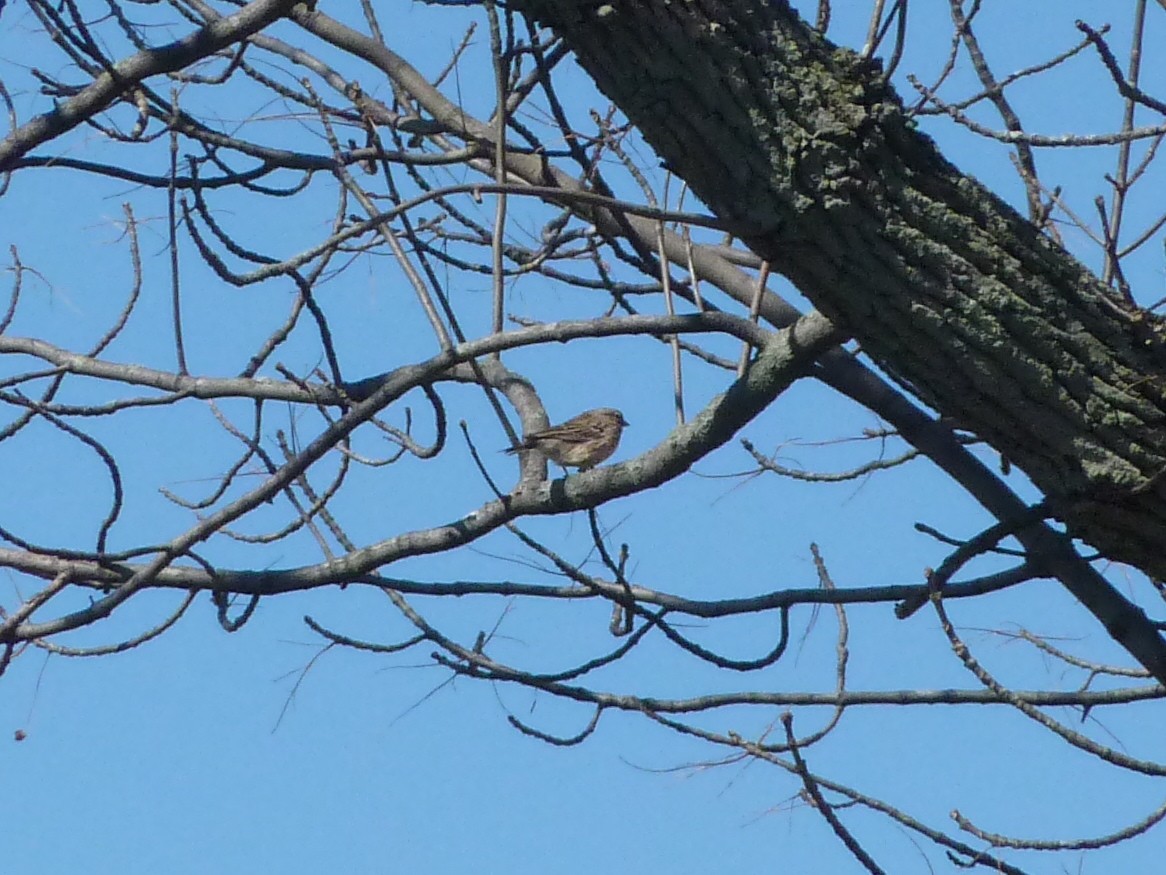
(581,442)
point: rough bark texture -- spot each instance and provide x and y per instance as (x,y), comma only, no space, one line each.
(944,284)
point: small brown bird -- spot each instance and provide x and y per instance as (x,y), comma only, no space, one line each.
(581,442)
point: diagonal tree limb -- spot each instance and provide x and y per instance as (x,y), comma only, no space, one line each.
(944,284)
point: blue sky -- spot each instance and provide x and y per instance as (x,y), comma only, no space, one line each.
(239,753)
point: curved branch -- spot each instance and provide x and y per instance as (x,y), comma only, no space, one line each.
(261,388)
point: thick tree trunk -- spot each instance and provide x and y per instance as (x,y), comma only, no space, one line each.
(945,285)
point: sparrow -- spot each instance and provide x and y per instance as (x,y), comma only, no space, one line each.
(581,442)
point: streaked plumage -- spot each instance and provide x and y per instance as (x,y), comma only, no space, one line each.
(581,442)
